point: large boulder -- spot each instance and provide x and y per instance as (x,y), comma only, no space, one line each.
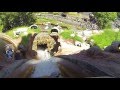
(94,51)
(71,70)
(18,55)
(109,49)
(24,71)
(8,69)
(113,48)
(1,58)
(21,50)
(2,49)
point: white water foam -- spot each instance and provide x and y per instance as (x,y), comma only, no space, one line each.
(46,65)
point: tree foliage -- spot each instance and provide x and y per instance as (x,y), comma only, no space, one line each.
(15,19)
(118,14)
(104,18)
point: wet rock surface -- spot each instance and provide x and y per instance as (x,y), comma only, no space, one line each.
(106,64)
(94,51)
(24,71)
(10,67)
(114,47)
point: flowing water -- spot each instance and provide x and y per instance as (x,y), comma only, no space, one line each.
(46,65)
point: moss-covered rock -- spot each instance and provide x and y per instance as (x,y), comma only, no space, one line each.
(43,38)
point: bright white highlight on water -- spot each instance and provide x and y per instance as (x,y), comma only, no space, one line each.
(46,65)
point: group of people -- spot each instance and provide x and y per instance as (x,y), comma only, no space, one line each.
(9,53)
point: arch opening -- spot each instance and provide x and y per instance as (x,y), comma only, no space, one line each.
(54,30)
(42,47)
(43,41)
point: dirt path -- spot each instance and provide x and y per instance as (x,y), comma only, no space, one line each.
(67,48)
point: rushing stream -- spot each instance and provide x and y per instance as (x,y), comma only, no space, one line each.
(46,65)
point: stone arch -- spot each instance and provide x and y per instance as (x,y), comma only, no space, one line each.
(43,38)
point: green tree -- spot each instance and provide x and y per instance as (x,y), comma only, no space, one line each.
(15,19)
(118,14)
(104,19)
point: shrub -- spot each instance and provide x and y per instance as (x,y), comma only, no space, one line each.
(29,31)
(25,40)
(77,38)
(105,38)
(1,27)
(15,19)
(32,31)
(67,35)
(118,14)
(104,19)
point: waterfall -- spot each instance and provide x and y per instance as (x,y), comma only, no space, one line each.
(46,65)
(43,54)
